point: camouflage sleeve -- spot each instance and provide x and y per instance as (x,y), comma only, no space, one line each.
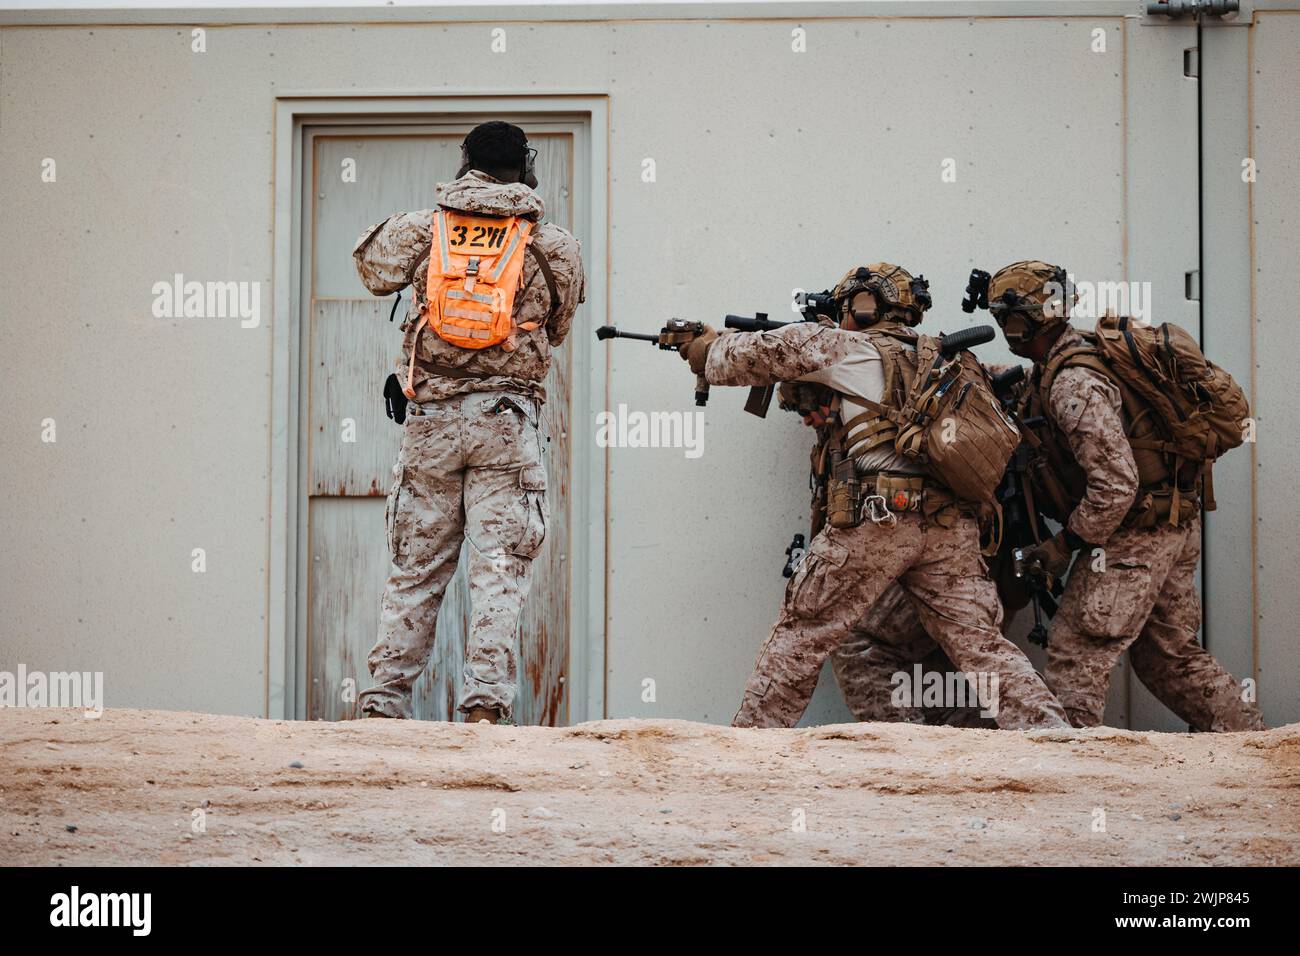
(386,255)
(564,254)
(1086,407)
(766,358)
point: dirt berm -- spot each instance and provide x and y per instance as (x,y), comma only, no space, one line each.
(178,788)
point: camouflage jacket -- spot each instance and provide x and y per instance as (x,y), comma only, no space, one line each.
(393,254)
(843,361)
(1085,408)
(781,355)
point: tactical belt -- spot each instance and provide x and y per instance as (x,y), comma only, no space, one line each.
(445,371)
(530,408)
(897,492)
(1162,506)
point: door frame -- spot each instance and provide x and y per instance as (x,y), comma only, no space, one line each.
(287,574)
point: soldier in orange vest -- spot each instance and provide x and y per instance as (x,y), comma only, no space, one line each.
(495,291)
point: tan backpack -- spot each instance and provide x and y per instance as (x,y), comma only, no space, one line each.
(953,425)
(1198,410)
(945,415)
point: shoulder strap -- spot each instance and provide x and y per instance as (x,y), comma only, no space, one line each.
(549,276)
(1079,356)
(424,257)
(927,355)
(893,346)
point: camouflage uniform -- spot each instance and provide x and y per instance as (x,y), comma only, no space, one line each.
(890,640)
(848,569)
(1145,599)
(470,467)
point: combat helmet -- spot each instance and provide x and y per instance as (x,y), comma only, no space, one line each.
(899,296)
(1028,297)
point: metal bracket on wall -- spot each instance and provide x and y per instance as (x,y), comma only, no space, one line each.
(1226,12)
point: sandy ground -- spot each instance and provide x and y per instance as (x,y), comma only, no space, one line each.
(125,789)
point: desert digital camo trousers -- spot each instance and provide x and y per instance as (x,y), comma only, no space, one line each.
(1142,598)
(470,471)
(846,570)
(890,640)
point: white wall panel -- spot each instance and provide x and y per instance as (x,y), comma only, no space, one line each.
(774,169)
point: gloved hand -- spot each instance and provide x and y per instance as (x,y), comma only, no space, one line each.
(810,400)
(1052,557)
(818,417)
(696,351)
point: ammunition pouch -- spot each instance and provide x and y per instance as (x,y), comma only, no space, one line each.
(844,496)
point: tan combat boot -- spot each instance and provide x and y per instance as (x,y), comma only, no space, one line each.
(490,714)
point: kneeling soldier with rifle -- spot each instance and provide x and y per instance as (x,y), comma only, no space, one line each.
(918,446)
